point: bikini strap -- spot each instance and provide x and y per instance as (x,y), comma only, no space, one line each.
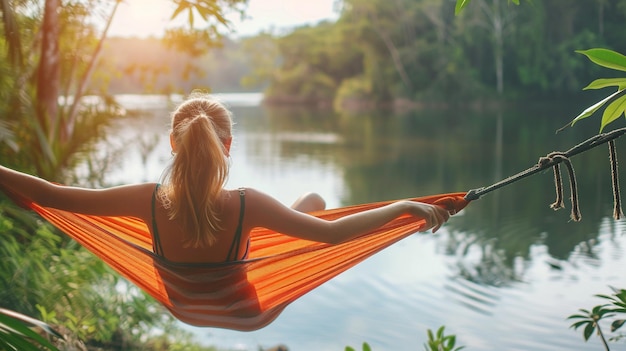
(234,247)
(156,242)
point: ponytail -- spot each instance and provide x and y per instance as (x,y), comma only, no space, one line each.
(200,169)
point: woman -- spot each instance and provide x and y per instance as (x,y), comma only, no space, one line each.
(192,217)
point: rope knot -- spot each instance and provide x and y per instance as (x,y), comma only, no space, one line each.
(556,158)
(617,205)
(553,160)
(544,160)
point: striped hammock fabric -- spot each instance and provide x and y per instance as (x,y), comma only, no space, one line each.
(243,295)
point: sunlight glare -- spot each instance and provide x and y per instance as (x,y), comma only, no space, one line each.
(145,18)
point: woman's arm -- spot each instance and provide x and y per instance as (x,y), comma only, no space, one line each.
(128,200)
(264,211)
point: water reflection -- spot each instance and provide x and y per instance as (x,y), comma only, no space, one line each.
(504,274)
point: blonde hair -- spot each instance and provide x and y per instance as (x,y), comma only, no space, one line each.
(200,126)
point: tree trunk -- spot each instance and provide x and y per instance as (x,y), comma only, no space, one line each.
(498,21)
(48,75)
(11,33)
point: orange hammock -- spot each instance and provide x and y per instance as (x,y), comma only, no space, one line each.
(243,295)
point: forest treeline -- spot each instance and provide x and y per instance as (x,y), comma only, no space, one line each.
(379,51)
(148,65)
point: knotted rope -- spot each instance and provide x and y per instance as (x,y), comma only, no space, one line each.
(617,203)
(558,183)
(553,160)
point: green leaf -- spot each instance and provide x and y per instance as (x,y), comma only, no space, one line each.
(16,332)
(16,342)
(440,332)
(621,295)
(451,340)
(604,296)
(613,111)
(606,58)
(599,310)
(578,324)
(30,320)
(460,4)
(348,348)
(593,108)
(366,347)
(589,330)
(620,83)
(617,324)
(577,316)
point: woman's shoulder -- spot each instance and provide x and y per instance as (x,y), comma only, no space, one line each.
(248,193)
(258,202)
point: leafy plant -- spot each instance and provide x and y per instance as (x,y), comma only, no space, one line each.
(436,342)
(365,347)
(590,320)
(16,333)
(613,60)
(441,342)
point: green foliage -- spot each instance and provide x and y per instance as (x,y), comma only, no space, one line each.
(420,51)
(606,58)
(590,319)
(460,4)
(364,347)
(313,62)
(16,333)
(612,60)
(356,88)
(441,342)
(436,342)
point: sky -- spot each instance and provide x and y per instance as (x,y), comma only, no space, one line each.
(142,18)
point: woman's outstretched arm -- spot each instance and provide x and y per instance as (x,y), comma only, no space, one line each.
(264,211)
(128,200)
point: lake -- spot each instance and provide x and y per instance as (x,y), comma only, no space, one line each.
(505,273)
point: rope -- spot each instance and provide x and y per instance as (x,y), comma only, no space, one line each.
(617,204)
(553,160)
(558,183)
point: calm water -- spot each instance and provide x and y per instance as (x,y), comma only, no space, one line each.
(503,274)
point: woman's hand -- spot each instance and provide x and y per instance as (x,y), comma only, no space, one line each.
(435,216)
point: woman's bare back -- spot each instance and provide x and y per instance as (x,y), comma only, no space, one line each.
(172,238)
